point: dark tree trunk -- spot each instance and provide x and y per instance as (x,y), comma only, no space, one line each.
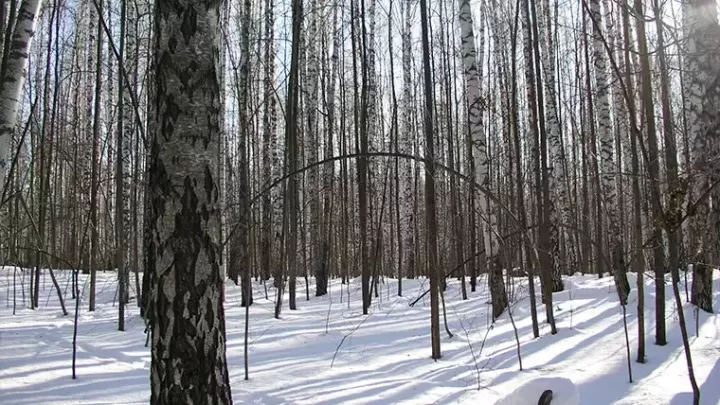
(430,215)
(654,173)
(497,288)
(520,197)
(638,257)
(292,198)
(94,227)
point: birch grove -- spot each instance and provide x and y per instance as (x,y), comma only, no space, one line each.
(507,145)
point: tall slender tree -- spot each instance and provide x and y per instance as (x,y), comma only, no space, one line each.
(269,139)
(430,213)
(292,197)
(654,174)
(474,130)
(407,134)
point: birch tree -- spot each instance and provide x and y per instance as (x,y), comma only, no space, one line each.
(94,94)
(556,173)
(474,120)
(700,21)
(604,124)
(312,138)
(329,169)
(531,91)
(14,75)
(406,144)
(269,139)
(188,336)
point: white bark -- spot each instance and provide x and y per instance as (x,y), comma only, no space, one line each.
(474,114)
(407,136)
(269,134)
(14,78)
(604,124)
(703,117)
(622,133)
(375,136)
(556,174)
(128,132)
(311,132)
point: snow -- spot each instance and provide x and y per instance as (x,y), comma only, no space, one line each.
(564,391)
(385,356)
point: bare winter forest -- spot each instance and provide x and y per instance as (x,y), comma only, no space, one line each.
(360,201)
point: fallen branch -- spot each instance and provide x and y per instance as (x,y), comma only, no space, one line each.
(517,338)
(346,336)
(472,352)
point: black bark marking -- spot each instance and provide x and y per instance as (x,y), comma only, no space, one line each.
(189,357)
(162,187)
(184,77)
(209,185)
(189,24)
(172,111)
(172,44)
(210,315)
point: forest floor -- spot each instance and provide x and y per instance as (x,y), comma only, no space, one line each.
(327,352)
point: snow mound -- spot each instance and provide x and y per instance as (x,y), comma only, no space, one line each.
(564,392)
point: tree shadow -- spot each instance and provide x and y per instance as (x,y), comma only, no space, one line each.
(709,390)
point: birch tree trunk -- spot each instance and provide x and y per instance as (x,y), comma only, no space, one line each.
(120,170)
(292,197)
(519,194)
(239,262)
(604,126)
(14,75)
(312,141)
(556,172)
(543,257)
(329,169)
(188,334)
(474,122)
(407,135)
(94,239)
(269,141)
(703,116)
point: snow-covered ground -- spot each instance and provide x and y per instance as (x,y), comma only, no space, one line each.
(385,358)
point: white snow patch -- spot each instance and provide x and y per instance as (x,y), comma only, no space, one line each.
(385,358)
(563,390)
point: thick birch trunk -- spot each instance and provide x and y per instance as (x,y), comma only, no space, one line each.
(11,83)
(188,334)
(703,116)
(556,173)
